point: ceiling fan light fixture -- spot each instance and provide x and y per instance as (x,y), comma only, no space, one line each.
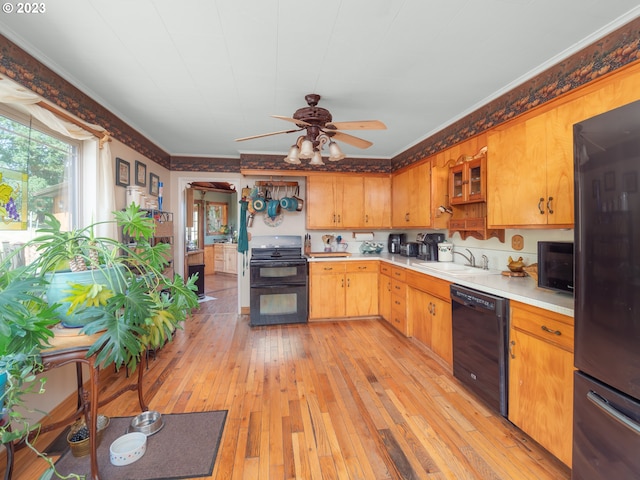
(293,157)
(306,149)
(335,154)
(317,158)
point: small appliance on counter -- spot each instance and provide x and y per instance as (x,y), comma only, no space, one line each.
(428,249)
(395,240)
(409,249)
(445,252)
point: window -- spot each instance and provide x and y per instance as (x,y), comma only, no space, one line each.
(38,171)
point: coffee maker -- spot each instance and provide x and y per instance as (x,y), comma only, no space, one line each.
(429,245)
(395,240)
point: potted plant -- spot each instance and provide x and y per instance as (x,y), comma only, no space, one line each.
(25,321)
(115,288)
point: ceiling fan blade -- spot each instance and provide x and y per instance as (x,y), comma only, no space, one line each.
(350,139)
(358,125)
(267,134)
(292,120)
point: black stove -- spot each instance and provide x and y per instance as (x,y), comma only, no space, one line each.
(278,280)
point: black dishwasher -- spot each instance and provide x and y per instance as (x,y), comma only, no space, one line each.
(480,332)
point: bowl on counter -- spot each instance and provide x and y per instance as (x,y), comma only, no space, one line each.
(371,247)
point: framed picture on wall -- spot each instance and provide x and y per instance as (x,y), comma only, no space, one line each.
(123,172)
(154,180)
(141,174)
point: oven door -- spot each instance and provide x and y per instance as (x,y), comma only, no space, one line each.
(278,304)
(276,273)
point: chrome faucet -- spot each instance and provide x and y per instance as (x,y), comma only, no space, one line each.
(485,262)
(471,260)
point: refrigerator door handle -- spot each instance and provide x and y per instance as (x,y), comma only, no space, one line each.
(604,405)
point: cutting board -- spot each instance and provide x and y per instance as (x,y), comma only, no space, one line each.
(328,254)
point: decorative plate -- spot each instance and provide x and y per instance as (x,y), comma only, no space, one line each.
(275,221)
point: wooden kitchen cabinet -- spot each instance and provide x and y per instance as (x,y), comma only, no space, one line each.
(468,181)
(384,291)
(346,201)
(541,377)
(225,258)
(209,260)
(362,288)
(399,301)
(530,173)
(411,197)
(377,202)
(343,289)
(429,312)
(326,290)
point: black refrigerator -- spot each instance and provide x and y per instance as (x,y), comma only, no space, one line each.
(606,425)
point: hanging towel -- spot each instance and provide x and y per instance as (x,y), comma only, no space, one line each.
(243,238)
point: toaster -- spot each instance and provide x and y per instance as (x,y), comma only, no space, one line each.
(409,249)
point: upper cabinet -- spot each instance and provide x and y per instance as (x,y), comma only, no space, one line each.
(468,181)
(530,174)
(530,162)
(411,197)
(345,201)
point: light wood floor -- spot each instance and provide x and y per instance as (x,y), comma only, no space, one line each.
(343,400)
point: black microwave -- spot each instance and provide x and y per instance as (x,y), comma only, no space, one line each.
(555,266)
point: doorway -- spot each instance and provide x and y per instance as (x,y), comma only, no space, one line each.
(210,226)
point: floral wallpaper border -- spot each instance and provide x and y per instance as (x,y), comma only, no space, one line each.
(617,50)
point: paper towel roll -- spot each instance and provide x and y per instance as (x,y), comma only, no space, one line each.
(363,236)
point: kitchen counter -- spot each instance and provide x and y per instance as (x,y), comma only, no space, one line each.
(522,289)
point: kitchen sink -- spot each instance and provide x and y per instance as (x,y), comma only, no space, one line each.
(454,268)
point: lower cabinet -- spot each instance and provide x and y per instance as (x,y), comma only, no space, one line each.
(225,258)
(384,291)
(541,377)
(343,289)
(209,262)
(429,313)
(399,301)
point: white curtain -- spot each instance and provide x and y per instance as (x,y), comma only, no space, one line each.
(26,101)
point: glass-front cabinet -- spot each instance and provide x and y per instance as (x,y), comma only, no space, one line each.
(468,181)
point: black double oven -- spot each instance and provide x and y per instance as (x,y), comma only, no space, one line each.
(278,281)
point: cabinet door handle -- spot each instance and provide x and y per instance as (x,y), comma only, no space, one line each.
(549,330)
(433,309)
(540,205)
(549,205)
(366,219)
(406,217)
(430,308)
(348,282)
(342,283)
(339,219)
(512,344)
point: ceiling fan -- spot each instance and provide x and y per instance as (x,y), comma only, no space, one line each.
(320,129)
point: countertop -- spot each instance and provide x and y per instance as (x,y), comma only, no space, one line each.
(521,289)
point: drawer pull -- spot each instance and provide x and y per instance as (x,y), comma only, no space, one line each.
(548,330)
(327,268)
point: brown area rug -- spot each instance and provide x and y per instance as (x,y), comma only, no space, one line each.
(186,447)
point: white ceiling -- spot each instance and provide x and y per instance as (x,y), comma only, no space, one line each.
(193,75)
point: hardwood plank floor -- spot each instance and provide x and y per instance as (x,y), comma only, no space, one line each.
(343,400)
